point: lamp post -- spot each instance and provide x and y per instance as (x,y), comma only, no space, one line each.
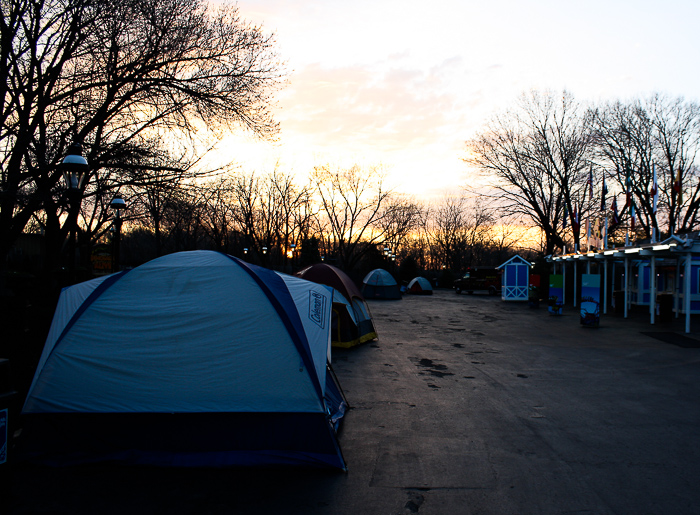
(293,249)
(119,205)
(74,168)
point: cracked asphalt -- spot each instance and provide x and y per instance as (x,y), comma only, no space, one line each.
(465,405)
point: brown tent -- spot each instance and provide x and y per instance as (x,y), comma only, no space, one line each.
(352,321)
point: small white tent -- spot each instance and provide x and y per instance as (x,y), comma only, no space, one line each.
(193,359)
(420,286)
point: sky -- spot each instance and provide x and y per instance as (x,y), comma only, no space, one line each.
(403,84)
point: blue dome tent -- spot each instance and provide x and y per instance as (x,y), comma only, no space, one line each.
(380,284)
(192,359)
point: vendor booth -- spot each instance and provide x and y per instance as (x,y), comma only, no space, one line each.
(627,272)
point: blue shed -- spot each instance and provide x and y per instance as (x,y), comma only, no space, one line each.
(515,278)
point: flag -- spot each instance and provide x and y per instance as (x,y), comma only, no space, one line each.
(575,226)
(605,233)
(628,186)
(603,192)
(633,217)
(566,215)
(588,232)
(654,191)
(595,236)
(615,215)
(678,188)
(590,183)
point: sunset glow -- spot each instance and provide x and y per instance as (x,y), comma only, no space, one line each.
(404,84)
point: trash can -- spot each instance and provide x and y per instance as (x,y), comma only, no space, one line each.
(533,297)
(619,301)
(664,303)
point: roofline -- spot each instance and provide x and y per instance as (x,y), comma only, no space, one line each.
(670,247)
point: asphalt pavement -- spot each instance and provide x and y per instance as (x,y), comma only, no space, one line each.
(464,405)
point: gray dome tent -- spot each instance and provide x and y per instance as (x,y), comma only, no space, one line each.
(380,284)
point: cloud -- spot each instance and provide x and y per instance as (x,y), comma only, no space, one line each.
(411,119)
(394,82)
(381,106)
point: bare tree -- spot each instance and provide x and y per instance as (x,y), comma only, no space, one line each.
(152,200)
(400,218)
(658,133)
(353,201)
(478,232)
(217,201)
(272,213)
(676,125)
(459,232)
(246,193)
(506,235)
(445,230)
(295,212)
(127,79)
(539,157)
(625,146)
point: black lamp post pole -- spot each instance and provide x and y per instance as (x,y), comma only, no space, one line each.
(117,242)
(118,205)
(74,200)
(74,168)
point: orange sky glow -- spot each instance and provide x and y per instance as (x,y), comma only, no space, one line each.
(403,84)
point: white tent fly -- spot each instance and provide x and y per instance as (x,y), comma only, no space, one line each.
(192,359)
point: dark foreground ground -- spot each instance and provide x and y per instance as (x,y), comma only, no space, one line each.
(465,404)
